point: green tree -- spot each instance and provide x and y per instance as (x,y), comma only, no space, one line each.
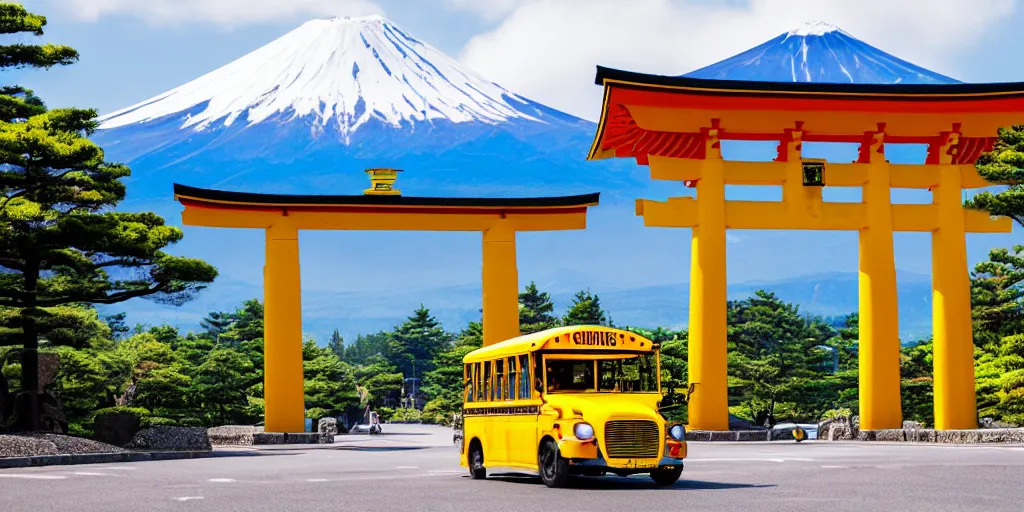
(377,379)
(17,102)
(998,312)
(416,342)
(585,310)
(365,347)
(1004,165)
(329,382)
(336,344)
(535,310)
(60,243)
(444,384)
(118,328)
(219,386)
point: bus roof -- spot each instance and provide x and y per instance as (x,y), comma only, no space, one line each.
(573,337)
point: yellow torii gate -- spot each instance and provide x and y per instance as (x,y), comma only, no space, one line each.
(676,125)
(381,208)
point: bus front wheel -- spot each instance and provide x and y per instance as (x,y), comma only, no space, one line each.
(477,471)
(666,477)
(554,471)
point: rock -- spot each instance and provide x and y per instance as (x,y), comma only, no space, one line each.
(233,434)
(116,428)
(892,435)
(752,435)
(164,438)
(25,446)
(51,416)
(912,425)
(327,428)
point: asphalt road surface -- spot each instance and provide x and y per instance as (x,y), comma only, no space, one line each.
(416,468)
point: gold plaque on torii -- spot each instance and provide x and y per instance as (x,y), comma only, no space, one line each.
(382,182)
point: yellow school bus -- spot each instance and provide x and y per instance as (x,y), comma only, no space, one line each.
(578,400)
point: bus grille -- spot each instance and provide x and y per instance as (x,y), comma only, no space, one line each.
(632,439)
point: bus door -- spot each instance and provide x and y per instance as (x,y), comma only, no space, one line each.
(522,426)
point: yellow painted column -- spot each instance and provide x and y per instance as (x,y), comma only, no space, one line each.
(880,398)
(709,404)
(282,343)
(952,334)
(500,285)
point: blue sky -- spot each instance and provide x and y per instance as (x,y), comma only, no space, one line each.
(544,49)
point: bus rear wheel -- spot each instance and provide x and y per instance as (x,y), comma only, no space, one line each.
(477,471)
(554,471)
(666,477)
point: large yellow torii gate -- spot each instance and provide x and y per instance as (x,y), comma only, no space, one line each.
(676,125)
(380,209)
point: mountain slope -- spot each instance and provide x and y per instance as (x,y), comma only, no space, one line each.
(819,52)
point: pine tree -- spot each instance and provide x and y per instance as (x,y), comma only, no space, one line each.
(60,243)
(17,102)
(1004,166)
(585,310)
(336,344)
(535,310)
(416,342)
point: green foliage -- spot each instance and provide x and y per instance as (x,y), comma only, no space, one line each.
(1004,165)
(406,415)
(416,342)
(330,384)
(61,243)
(998,313)
(139,412)
(535,310)
(585,310)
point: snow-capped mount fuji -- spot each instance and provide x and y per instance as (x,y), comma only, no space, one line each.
(333,96)
(819,52)
(339,73)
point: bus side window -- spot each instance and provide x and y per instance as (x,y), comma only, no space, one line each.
(487,380)
(524,379)
(499,378)
(513,381)
(478,379)
(469,389)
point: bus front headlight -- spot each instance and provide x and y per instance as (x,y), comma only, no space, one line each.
(583,431)
(677,432)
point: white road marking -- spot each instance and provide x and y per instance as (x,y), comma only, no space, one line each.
(187,498)
(33,477)
(89,473)
(408,467)
(316,480)
(734,460)
(833,467)
(221,480)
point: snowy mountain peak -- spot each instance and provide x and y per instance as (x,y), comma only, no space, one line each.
(813,28)
(340,74)
(819,52)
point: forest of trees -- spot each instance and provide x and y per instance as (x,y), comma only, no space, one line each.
(781,362)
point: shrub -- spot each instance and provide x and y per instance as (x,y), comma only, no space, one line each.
(315,413)
(157,421)
(385,413)
(140,412)
(406,415)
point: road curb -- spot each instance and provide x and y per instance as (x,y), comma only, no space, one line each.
(97,458)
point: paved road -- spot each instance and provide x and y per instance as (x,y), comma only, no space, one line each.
(414,469)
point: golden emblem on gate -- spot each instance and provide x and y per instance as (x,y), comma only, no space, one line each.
(382,182)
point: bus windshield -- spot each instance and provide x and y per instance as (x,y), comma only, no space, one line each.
(629,373)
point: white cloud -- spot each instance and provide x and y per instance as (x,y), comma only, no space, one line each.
(486,9)
(548,49)
(221,12)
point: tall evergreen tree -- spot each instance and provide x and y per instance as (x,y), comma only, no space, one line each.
(535,310)
(1004,166)
(998,310)
(17,102)
(585,310)
(416,342)
(336,344)
(60,243)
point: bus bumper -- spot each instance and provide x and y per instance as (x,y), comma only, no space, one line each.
(598,465)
